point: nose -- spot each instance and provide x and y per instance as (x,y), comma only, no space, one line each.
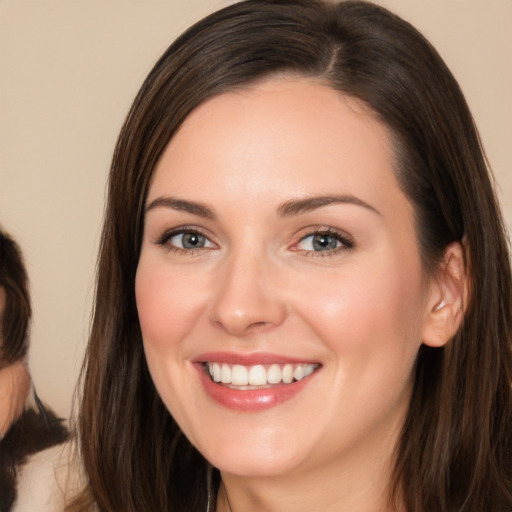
(247,297)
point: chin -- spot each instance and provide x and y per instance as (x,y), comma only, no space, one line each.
(254,468)
(268,456)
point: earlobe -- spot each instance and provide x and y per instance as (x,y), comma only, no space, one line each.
(447,298)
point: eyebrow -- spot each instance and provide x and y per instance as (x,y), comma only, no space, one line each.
(181,205)
(298,206)
(287,209)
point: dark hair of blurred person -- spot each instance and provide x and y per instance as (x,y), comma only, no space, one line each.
(26,424)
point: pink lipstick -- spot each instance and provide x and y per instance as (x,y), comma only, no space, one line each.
(253,382)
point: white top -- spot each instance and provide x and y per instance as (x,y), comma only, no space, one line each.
(48,480)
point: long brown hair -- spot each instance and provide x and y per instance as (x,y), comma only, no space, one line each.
(15,319)
(454,453)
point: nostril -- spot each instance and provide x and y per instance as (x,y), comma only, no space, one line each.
(242,329)
(256,326)
(241,310)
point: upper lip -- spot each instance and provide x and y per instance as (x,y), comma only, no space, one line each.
(249,359)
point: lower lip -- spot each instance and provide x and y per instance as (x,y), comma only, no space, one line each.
(250,400)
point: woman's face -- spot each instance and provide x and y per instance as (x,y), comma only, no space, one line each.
(279,255)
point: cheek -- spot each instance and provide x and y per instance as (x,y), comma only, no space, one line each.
(167,313)
(167,303)
(370,309)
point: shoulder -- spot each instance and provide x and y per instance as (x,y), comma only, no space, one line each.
(48,480)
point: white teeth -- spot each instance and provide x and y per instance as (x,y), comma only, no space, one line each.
(259,375)
(298,373)
(225,374)
(239,375)
(274,374)
(287,373)
(215,369)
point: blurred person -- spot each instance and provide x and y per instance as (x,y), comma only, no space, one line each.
(27,425)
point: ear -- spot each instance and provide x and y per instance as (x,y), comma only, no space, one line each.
(447,298)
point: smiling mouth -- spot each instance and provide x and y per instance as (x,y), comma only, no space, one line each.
(258,376)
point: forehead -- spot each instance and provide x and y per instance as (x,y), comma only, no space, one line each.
(279,116)
(294,135)
(280,127)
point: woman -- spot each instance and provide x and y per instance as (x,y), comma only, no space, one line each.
(26,425)
(303,295)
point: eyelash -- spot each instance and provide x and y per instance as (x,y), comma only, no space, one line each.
(344,239)
(164,240)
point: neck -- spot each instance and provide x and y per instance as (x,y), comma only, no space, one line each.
(14,389)
(357,482)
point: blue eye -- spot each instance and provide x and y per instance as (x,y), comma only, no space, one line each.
(323,242)
(187,240)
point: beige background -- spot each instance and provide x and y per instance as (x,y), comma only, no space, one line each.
(68,72)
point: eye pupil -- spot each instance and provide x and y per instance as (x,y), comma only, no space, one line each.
(193,240)
(324,242)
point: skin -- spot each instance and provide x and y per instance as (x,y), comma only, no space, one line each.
(258,285)
(14,386)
